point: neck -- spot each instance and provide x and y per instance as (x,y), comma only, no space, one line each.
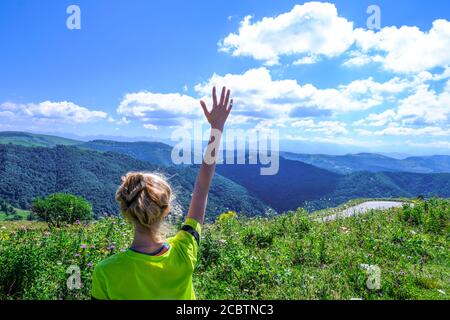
(145,241)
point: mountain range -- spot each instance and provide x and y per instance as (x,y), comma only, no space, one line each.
(36,165)
(373,163)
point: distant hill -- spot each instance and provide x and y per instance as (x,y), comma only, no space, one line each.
(154,152)
(29,172)
(34,140)
(302,185)
(373,163)
(92,169)
(295,183)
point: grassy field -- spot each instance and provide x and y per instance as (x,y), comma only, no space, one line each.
(23,214)
(286,257)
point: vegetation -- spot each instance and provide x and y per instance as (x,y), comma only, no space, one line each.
(59,209)
(153,152)
(298,184)
(285,257)
(34,140)
(373,163)
(27,173)
(9,213)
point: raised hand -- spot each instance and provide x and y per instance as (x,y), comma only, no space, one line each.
(220,110)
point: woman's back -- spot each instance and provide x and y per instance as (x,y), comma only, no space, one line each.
(132,275)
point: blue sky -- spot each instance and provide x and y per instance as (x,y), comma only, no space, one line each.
(311,70)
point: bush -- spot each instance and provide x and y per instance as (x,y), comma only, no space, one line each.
(60,208)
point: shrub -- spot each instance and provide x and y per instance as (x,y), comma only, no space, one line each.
(60,208)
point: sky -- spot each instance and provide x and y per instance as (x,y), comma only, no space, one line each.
(329,76)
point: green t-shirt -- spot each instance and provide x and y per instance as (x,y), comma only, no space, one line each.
(136,276)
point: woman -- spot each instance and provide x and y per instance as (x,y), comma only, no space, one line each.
(154,267)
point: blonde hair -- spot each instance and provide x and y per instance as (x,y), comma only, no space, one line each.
(144,200)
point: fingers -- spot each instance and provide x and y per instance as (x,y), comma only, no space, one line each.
(227,99)
(222,97)
(230,107)
(214,96)
(205,109)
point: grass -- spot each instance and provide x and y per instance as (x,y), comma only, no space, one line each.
(22,214)
(286,257)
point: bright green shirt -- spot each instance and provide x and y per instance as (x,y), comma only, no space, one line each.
(136,276)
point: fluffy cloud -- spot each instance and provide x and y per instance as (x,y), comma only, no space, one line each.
(328,128)
(422,107)
(50,112)
(405,49)
(395,130)
(159,109)
(315,29)
(257,95)
(311,29)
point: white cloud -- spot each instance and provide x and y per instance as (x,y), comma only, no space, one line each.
(329,128)
(405,49)
(159,109)
(313,28)
(378,120)
(257,95)
(395,130)
(432,144)
(54,112)
(422,106)
(150,126)
(425,105)
(306,60)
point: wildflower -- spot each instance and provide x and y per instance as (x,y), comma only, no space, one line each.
(78,222)
(83,247)
(89,265)
(369,255)
(46,234)
(92,246)
(77,255)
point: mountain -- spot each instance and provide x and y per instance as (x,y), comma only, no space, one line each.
(34,140)
(153,152)
(93,169)
(373,163)
(295,183)
(384,185)
(302,185)
(29,172)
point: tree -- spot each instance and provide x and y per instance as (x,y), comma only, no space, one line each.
(60,208)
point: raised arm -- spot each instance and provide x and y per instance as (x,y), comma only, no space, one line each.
(216,118)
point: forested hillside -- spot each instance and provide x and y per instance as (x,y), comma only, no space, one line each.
(26,173)
(154,152)
(34,140)
(301,185)
(373,163)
